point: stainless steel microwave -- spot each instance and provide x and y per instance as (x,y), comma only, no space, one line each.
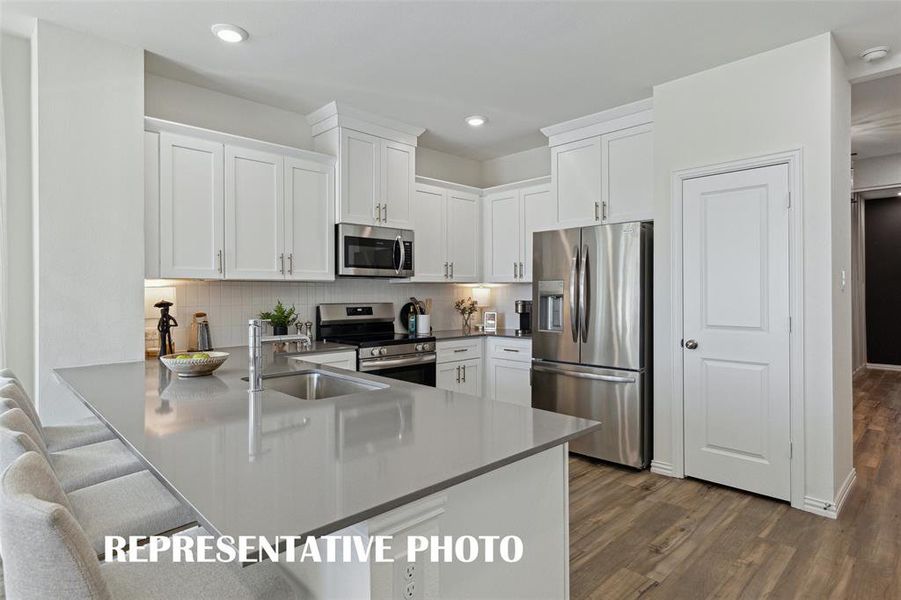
(366,251)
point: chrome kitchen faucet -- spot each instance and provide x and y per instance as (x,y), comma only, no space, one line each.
(255,350)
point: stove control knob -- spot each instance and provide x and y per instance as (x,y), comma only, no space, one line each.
(383,351)
(419,347)
(427,347)
(374,352)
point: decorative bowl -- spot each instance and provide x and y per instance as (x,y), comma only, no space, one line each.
(194,367)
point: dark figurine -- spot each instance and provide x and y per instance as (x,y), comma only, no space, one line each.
(164,326)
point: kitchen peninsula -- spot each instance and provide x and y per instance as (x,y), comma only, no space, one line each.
(395,459)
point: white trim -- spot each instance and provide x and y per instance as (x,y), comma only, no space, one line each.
(875,188)
(828,509)
(882,367)
(334,115)
(515,185)
(580,127)
(154,125)
(662,468)
(793,159)
(448,185)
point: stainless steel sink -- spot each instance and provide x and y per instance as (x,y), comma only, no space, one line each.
(317,385)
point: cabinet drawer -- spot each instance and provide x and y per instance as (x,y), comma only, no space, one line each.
(464,349)
(510,349)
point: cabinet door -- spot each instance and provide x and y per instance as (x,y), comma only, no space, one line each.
(471,377)
(628,174)
(254,214)
(151,205)
(398,177)
(309,220)
(502,251)
(463,236)
(537,215)
(448,376)
(576,181)
(359,190)
(430,258)
(192,207)
(510,381)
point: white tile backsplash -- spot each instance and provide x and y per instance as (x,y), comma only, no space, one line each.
(230,304)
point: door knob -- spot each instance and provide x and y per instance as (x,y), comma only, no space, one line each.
(691,344)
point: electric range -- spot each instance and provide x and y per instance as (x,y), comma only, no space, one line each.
(380,350)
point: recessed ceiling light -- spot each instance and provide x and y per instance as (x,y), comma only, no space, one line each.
(876,53)
(229,33)
(476,120)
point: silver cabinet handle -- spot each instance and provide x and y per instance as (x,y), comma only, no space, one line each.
(520,270)
(219,261)
(691,344)
(514,269)
(445,270)
(464,373)
(510,350)
(458,373)
(581,375)
(573,290)
(597,211)
(452,270)
(291,263)
(462,350)
(378,213)
(281,261)
(385,211)
(604,211)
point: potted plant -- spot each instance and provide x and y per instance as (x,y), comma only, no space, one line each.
(280,318)
(466,307)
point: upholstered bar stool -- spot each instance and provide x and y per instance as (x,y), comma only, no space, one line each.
(56,437)
(75,468)
(53,557)
(136,504)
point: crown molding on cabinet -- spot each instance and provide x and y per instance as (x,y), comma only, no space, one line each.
(515,185)
(334,115)
(450,185)
(620,117)
(160,125)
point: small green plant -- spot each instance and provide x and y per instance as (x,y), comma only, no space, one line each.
(280,316)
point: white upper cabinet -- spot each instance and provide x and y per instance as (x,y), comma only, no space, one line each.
(254,214)
(192,207)
(359,164)
(602,166)
(309,220)
(220,206)
(627,176)
(576,177)
(511,217)
(376,164)
(398,175)
(446,227)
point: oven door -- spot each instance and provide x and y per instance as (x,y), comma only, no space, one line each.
(413,368)
(366,251)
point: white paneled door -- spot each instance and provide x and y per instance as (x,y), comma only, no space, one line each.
(463,236)
(309,220)
(736,329)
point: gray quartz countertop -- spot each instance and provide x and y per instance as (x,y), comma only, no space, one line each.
(456,334)
(270,464)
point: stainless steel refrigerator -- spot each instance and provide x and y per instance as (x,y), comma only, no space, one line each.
(591,334)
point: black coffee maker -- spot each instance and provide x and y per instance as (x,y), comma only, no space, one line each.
(524,310)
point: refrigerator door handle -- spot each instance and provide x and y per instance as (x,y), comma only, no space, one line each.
(581,375)
(573,292)
(584,298)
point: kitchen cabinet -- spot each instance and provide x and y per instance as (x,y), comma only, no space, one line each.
(345,359)
(254,214)
(576,176)
(508,366)
(464,376)
(398,174)
(222,207)
(191,207)
(446,227)
(511,217)
(627,177)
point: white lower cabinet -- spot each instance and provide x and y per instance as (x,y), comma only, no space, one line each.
(341,360)
(459,366)
(508,365)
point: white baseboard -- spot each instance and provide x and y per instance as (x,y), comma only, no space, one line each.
(882,367)
(827,509)
(662,468)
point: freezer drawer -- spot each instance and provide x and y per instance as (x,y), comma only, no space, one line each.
(617,399)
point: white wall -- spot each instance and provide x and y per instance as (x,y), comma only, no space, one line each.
(880,171)
(16,84)
(527,164)
(772,102)
(447,167)
(88,106)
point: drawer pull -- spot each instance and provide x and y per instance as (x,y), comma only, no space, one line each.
(510,350)
(462,350)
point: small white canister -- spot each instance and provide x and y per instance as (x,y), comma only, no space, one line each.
(423,324)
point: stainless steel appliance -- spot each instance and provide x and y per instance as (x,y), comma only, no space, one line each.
(366,251)
(380,351)
(591,334)
(524,309)
(199,338)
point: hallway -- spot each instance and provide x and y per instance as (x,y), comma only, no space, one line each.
(643,535)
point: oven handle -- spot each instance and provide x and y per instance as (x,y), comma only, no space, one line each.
(376,364)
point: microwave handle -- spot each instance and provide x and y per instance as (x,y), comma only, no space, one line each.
(402,254)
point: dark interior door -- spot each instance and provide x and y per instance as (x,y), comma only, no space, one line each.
(883,280)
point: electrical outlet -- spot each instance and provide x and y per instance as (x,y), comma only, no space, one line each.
(405,581)
(410,572)
(410,590)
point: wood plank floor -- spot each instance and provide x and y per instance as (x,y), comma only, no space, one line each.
(643,535)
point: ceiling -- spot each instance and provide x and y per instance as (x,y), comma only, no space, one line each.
(876,117)
(524,65)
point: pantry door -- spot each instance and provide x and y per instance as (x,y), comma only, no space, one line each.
(736,324)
